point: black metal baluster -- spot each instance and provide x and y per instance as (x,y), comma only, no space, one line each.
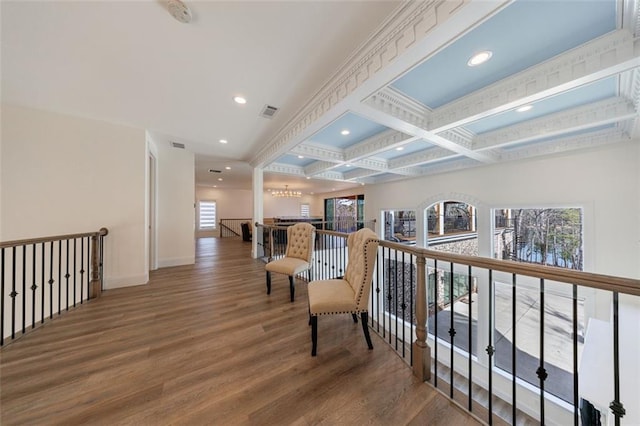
(24,289)
(66,276)
(75,270)
(377,304)
(2,299)
(88,267)
(470,402)
(13,293)
(403,306)
(575,356)
(389,297)
(452,330)
(395,295)
(490,349)
(34,287)
(384,288)
(51,281)
(101,262)
(541,372)
(42,282)
(616,405)
(81,270)
(59,277)
(513,349)
(435,319)
(411,321)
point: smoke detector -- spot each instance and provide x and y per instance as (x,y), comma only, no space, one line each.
(179,11)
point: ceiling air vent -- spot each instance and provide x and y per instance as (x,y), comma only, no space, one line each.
(214,171)
(268,111)
(177,145)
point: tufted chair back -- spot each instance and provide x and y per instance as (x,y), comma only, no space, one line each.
(300,240)
(363,251)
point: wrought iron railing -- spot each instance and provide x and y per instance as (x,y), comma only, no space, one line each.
(500,337)
(232,227)
(42,277)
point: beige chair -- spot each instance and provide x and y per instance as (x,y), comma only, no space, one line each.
(297,258)
(350,294)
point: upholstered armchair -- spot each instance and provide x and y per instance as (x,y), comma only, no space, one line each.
(350,294)
(297,258)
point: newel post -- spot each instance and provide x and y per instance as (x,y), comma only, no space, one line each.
(96,263)
(421,350)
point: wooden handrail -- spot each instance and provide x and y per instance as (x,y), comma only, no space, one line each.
(102,232)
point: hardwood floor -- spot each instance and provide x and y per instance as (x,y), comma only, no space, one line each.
(204,344)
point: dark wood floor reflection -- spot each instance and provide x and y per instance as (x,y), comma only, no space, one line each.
(204,344)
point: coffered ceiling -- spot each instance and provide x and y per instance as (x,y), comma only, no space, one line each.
(394,74)
(562,76)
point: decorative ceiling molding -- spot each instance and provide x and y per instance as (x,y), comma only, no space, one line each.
(318,167)
(319,152)
(410,23)
(461,136)
(602,137)
(396,104)
(597,59)
(359,174)
(383,141)
(330,176)
(630,89)
(450,166)
(422,157)
(588,116)
(287,169)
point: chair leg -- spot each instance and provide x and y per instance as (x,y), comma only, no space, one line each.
(314,334)
(291,287)
(364,316)
(355,318)
(268,282)
(309,275)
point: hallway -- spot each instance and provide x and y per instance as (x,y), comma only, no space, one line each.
(204,344)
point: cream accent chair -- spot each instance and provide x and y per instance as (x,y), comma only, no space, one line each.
(297,258)
(350,294)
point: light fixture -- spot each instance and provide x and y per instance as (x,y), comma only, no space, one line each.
(480,58)
(239,100)
(345,132)
(286,193)
(223,141)
(400,148)
(179,11)
(524,108)
(301,156)
(220,179)
(227,168)
(308,177)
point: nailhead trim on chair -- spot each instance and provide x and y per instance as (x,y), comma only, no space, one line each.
(335,313)
(366,270)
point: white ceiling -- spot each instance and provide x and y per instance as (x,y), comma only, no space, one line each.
(394,73)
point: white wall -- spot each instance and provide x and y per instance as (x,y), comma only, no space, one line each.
(605,182)
(279,207)
(175,206)
(62,174)
(230,204)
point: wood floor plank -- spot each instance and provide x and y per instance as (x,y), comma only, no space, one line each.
(205,344)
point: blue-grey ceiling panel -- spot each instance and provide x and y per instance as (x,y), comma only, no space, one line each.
(593,92)
(409,148)
(294,160)
(523,34)
(359,128)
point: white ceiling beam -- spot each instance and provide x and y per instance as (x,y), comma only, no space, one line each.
(584,117)
(419,158)
(287,169)
(384,141)
(601,58)
(319,152)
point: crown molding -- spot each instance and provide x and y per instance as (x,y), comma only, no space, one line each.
(381,142)
(319,152)
(556,146)
(594,60)
(422,157)
(588,116)
(318,167)
(287,169)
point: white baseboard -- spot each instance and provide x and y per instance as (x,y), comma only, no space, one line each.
(118,282)
(176,261)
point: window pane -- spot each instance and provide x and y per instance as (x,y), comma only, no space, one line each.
(207,215)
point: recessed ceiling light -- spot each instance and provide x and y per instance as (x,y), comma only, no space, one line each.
(300,156)
(220,179)
(524,108)
(308,177)
(239,100)
(215,186)
(400,148)
(348,165)
(223,141)
(480,58)
(227,168)
(345,132)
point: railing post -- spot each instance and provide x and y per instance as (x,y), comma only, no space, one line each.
(421,350)
(271,245)
(96,264)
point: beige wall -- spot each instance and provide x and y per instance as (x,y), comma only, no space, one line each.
(62,174)
(230,204)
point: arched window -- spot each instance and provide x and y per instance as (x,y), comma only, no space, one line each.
(451,227)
